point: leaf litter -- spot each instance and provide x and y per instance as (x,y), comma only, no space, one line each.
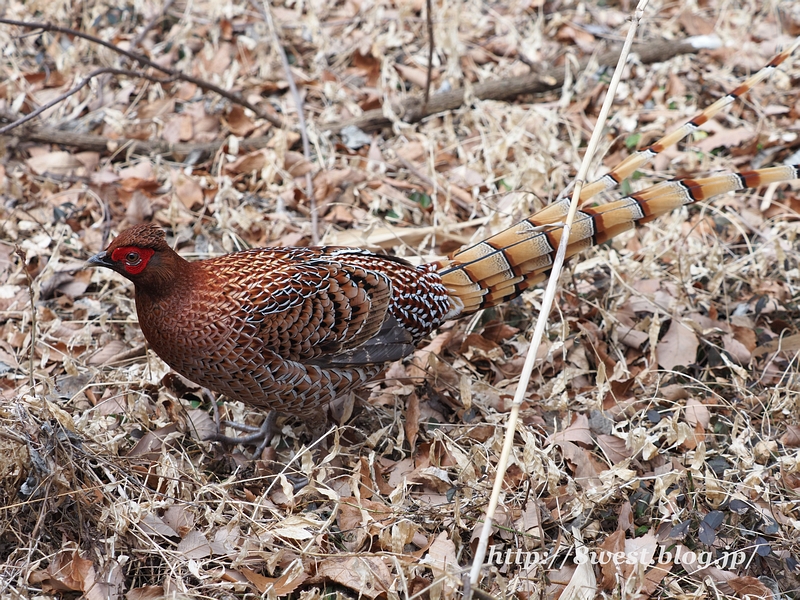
(661,418)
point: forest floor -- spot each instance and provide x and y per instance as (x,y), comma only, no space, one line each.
(662,417)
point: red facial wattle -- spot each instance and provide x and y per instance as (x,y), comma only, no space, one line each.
(133,259)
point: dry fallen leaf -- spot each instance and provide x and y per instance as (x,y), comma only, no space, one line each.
(582,585)
(750,588)
(238,122)
(697,413)
(442,561)
(187,190)
(254,161)
(678,347)
(578,432)
(366,575)
(69,572)
(194,546)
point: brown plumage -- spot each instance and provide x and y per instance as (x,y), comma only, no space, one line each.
(290,329)
(286,329)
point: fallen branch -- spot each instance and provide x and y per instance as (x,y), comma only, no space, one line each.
(410,111)
(129,147)
(413,110)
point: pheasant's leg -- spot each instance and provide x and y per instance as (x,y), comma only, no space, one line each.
(262,435)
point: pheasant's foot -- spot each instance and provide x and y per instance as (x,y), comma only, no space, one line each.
(256,435)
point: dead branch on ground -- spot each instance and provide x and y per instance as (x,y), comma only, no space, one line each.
(413,110)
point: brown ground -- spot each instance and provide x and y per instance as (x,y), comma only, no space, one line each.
(663,411)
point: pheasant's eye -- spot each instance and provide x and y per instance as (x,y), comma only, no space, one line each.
(133,260)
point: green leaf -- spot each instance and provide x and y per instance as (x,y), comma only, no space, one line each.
(424,200)
(632,140)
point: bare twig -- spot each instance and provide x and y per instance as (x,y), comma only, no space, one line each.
(298,102)
(143,60)
(429,20)
(76,89)
(547,301)
(23,256)
(98,143)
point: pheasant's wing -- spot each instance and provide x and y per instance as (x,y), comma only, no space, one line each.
(391,343)
(310,305)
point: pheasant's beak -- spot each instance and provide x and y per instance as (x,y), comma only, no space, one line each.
(101,259)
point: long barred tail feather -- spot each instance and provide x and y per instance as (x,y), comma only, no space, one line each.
(642,157)
(502,266)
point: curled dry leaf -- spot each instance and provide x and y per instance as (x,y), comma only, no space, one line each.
(238,122)
(107,352)
(611,571)
(67,572)
(615,449)
(281,586)
(583,583)
(750,588)
(152,524)
(147,592)
(442,561)
(413,75)
(178,128)
(297,164)
(179,519)
(584,466)
(724,138)
(412,416)
(253,161)
(579,432)
(697,413)
(200,425)
(792,436)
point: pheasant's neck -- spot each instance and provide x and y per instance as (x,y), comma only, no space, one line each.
(169,275)
(169,310)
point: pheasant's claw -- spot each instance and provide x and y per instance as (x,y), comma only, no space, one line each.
(261,436)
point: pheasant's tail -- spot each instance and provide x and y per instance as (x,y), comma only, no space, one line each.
(640,158)
(500,267)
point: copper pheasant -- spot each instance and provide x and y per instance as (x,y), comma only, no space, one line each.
(290,329)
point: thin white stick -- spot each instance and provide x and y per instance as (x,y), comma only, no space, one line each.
(547,302)
(266,13)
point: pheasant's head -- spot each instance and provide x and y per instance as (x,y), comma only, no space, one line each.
(142,255)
